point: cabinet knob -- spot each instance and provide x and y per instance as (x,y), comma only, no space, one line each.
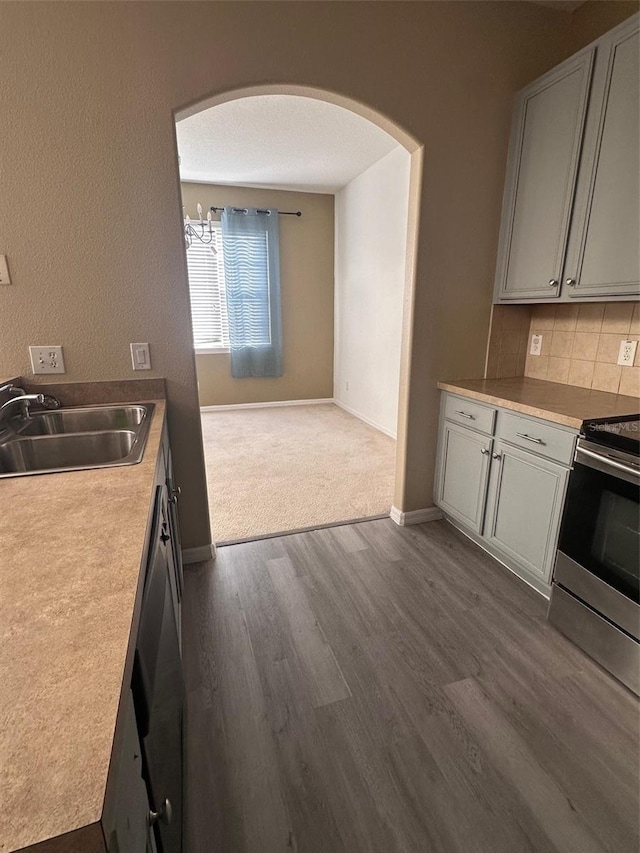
(496,456)
(176,491)
(571,282)
(484,451)
(553,282)
(164,814)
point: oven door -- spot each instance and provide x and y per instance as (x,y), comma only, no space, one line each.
(600,526)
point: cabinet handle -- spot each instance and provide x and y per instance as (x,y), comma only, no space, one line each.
(176,491)
(496,456)
(484,451)
(529,438)
(164,534)
(553,282)
(571,282)
(164,814)
(465,415)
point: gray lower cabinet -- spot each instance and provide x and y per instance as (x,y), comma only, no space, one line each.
(525,507)
(505,487)
(464,470)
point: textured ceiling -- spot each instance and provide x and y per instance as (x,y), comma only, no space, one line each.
(279,141)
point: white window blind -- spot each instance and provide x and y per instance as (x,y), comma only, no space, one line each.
(208,295)
(249,286)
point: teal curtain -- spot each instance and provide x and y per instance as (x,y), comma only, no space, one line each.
(252,279)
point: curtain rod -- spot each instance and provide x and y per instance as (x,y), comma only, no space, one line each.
(259,210)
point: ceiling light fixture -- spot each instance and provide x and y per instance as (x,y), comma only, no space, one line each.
(202,231)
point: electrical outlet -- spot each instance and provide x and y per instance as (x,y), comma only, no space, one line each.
(4,270)
(140,357)
(536,345)
(47,359)
(627,353)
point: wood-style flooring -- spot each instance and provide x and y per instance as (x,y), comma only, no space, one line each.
(377,688)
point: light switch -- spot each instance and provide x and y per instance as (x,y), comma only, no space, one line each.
(47,359)
(140,358)
(536,345)
(4,270)
(627,353)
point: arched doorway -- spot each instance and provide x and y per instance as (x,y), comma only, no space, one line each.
(415,152)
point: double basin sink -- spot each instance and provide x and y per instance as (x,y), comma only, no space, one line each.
(75,439)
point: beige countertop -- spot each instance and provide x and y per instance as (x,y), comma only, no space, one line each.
(71,546)
(562,404)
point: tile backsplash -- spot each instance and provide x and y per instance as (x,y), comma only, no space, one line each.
(508,341)
(580,344)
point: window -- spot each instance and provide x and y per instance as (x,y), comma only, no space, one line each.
(252,269)
(247,261)
(208,294)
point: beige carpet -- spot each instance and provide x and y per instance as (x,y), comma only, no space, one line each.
(283,468)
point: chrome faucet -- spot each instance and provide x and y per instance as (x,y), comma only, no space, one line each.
(27,399)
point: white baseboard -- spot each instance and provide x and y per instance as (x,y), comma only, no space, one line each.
(363,418)
(199,554)
(416,516)
(324,400)
(225,408)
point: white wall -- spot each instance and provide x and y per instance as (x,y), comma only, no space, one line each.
(370,246)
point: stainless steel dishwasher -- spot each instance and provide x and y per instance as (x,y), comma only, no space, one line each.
(158,692)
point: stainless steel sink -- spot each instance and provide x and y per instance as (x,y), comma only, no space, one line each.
(88,419)
(75,439)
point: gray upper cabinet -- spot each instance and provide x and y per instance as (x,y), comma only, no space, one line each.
(604,247)
(541,176)
(570,217)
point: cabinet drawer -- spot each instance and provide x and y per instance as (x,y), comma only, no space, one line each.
(466,412)
(538,437)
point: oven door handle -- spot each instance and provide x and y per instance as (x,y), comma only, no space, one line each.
(606,463)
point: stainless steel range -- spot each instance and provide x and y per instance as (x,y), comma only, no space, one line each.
(595,592)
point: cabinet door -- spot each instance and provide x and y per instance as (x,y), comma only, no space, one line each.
(125,824)
(463,474)
(603,257)
(544,151)
(525,507)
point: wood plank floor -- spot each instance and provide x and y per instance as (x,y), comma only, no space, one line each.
(376,688)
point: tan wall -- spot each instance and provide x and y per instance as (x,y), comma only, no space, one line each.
(596,17)
(90,207)
(306,273)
